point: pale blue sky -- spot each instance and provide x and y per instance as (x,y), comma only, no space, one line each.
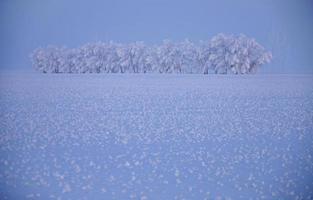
(27,24)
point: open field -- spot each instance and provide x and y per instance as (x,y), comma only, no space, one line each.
(107,136)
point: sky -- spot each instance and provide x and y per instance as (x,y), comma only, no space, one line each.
(283,26)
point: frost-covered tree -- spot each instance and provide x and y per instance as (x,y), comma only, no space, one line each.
(164,60)
(188,57)
(149,61)
(236,54)
(170,57)
(95,57)
(113,58)
(38,58)
(48,60)
(138,51)
(222,54)
(202,57)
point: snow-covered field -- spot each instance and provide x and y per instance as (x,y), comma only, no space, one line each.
(106,136)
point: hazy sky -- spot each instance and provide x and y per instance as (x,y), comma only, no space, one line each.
(286,26)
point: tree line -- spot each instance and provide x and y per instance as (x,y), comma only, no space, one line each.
(223,54)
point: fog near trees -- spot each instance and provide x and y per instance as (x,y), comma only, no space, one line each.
(223,54)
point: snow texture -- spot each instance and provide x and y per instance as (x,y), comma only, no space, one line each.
(113,136)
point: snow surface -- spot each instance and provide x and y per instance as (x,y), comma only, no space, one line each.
(110,136)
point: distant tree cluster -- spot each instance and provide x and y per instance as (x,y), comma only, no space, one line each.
(221,55)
